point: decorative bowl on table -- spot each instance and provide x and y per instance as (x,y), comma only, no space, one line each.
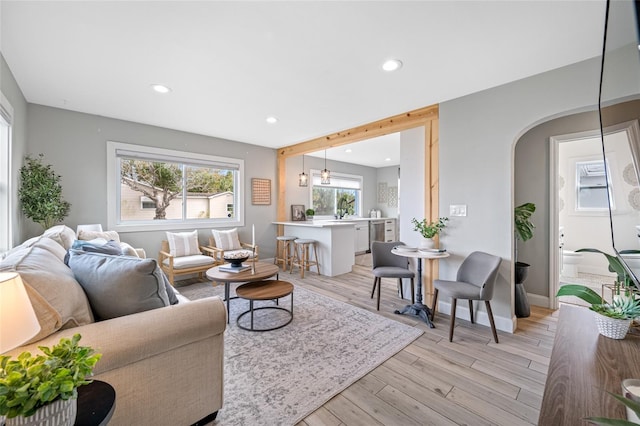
(236,259)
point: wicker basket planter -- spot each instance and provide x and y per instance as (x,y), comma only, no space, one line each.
(611,327)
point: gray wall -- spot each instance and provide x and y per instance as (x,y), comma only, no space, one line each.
(477,137)
(75,144)
(12,92)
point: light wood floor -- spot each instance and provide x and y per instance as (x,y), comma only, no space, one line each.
(470,381)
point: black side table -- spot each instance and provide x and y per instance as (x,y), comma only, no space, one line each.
(96,404)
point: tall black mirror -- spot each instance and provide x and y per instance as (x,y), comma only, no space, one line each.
(620,126)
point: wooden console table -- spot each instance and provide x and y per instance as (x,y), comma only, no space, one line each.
(583,366)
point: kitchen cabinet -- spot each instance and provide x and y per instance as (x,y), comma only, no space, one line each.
(390,230)
(362,237)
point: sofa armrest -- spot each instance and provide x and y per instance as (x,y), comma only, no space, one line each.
(132,338)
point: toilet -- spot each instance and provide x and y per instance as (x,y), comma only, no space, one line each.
(570,262)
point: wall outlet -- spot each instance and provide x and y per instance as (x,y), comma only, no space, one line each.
(457,210)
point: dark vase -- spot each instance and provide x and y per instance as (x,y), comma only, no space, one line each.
(522,302)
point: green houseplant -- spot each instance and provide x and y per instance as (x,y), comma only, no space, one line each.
(429,229)
(40,193)
(310,213)
(524,232)
(604,421)
(613,319)
(31,382)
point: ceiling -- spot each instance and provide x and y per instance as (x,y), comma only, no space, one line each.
(315,65)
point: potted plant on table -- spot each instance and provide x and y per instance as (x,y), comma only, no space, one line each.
(429,230)
(310,213)
(32,388)
(613,319)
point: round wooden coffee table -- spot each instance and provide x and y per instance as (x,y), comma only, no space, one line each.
(262,270)
(265,290)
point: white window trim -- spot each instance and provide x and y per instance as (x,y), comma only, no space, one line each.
(317,172)
(608,187)
(6,205)
(113,190)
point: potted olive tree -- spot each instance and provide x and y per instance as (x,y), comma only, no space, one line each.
(30,383)
(524,232)
(40,193)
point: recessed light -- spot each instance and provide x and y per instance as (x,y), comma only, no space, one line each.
(347,150)
(392,65)
(160,88)
(387,159)
(271,120)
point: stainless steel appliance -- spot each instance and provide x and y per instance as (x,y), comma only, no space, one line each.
(376,231)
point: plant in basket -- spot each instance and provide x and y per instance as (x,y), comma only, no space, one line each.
(30,383)
(613,319)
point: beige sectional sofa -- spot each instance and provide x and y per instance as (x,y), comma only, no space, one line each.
(165,364)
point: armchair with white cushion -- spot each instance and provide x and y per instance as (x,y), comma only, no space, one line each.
(182,254)
(226,243)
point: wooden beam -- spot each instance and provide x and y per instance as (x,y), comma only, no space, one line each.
(382,127)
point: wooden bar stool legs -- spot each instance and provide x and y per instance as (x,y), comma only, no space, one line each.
(301,256)
(284,251)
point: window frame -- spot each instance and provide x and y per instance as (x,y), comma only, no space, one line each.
(316,173)
(608,187)
(113,188)
(6,173)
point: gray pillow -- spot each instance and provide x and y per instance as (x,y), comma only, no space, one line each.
(119,285)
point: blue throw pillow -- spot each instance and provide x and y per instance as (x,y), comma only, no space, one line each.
(119,285)
(110,247)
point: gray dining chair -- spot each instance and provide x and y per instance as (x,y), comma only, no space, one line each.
(388,265)
(475,281)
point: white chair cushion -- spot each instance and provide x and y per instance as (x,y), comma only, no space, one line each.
(183,243)
(226,240)
(186,262)
(92,235)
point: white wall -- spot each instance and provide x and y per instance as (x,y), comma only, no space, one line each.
(477,137)
(412,154)
(389,177)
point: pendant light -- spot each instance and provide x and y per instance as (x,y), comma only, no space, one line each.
(303,179)
(325,177)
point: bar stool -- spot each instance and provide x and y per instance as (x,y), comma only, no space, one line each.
(301,255)
(284,250)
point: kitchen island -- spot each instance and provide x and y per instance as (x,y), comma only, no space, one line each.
(335,242)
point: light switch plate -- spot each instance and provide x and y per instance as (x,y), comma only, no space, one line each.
(457,210)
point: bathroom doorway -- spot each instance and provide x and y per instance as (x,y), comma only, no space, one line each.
(579,207)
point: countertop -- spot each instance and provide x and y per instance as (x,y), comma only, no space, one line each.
(323,223)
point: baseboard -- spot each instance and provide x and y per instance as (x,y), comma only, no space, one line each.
(537,300)
(480,317)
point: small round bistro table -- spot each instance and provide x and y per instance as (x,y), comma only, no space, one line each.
(265,290)
(261,271)
(419,309)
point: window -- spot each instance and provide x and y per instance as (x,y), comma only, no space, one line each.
(342,196)
(591,186)
(147,203)
(6,116)
(153,188)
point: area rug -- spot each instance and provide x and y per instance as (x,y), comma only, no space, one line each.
(279,377)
